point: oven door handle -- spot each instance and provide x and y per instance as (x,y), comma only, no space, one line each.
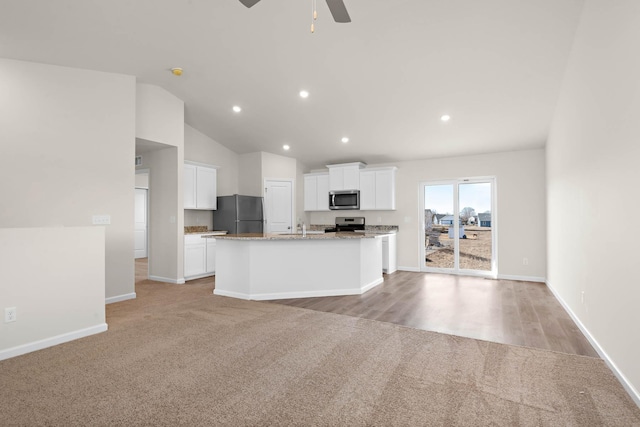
(333,200)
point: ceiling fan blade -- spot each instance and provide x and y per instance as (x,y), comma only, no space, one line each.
(338,10)
(249,3)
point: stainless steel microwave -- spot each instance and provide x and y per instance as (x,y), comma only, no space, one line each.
(347,199)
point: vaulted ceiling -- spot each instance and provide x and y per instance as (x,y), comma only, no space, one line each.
(384,80)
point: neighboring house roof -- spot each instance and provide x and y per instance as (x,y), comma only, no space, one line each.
(446,218)
(484,216)
(440,216)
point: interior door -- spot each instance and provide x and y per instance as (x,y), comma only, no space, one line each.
(140,223)
(278,197)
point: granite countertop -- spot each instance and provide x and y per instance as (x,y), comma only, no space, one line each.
(297,236)
(208,233)
(373,229)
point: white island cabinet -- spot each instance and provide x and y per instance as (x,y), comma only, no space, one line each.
(266,267)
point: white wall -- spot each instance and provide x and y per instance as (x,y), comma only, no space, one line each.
(160,119)
(521,225)
(54,277)
(68,140)
(159,115)
(142,180)
(592,163)
(301,215)
(200,148)
(275,166)
(250,174)
(166,245)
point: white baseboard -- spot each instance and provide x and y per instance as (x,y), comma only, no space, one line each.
(199,276)
(371,285)
(231,294)
(167,280)
(50,342)
(119,298)
(635,395)
(303,294)
(521,278)
(413,269)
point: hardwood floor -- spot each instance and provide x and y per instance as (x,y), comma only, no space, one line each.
(504,311)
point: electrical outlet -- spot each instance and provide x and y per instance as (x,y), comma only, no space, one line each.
(10,314)
(525,261)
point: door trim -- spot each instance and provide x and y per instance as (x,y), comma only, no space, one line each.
(494,225)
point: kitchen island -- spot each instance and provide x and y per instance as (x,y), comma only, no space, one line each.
(279,266)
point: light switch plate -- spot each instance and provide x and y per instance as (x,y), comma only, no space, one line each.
(101,219)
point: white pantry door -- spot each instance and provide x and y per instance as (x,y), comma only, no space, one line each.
(278,198)
(140,221)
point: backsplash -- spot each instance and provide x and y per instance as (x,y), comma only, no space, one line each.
(195,229)
(194,217)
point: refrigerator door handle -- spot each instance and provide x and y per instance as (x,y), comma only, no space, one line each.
(264,216)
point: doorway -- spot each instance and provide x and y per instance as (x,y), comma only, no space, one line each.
(459,227)
(140,223)
(278,200)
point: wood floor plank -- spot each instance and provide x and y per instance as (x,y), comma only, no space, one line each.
(510,312)
(504,311)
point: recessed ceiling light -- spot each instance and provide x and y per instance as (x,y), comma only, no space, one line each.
(445,118)
(345,139)
(304,94)
(285,147)
(237,109)
(176,71)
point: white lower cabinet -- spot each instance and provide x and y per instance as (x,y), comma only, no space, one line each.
(389,257)
(199,256)
(211,255)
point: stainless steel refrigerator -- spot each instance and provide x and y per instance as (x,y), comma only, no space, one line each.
(239,214)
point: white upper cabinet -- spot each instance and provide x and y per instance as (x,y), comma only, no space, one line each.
(189,190)
(378,189)
(316,192)
(345,176)
(367,190)
(200,187)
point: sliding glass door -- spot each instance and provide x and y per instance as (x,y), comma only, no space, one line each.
(458,226)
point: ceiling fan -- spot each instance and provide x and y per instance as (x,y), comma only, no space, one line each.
(336,7)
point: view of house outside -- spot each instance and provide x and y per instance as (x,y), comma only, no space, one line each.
(474,219)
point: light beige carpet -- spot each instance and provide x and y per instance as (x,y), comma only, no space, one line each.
(180,356)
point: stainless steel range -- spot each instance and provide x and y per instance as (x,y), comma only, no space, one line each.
(343,223)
